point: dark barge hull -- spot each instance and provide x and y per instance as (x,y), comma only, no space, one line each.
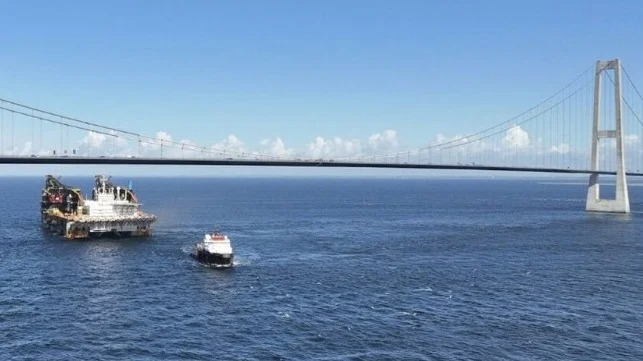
(214,259)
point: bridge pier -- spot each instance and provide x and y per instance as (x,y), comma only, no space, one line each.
(621,202)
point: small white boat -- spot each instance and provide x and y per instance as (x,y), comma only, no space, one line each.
(215,250)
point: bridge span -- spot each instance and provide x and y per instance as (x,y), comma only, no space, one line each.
(580,129)
(320,163)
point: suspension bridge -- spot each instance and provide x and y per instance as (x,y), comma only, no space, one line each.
(592,125)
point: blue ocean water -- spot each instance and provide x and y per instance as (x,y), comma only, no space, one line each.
(330,269)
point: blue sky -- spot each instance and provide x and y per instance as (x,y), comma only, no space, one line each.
(298,70)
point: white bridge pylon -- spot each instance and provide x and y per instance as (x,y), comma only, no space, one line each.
(621,202)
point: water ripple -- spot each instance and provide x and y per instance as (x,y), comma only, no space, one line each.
(331,269)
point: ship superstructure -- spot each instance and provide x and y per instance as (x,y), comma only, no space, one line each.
(111,210)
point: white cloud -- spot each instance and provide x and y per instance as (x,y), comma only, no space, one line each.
(26,149)
(163,136)
(231,146)
(163,143)
(16,151)
(562,148)
(384,141)
(189,149)
(335,147)
(516,137)
(93,140)
(461,144)
(94,143)
(276,148)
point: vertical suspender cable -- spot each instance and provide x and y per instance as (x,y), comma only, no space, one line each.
(1,128)
(569,127)
(555,138)
(562,135)
(33,146)
(552,124)
(13,151)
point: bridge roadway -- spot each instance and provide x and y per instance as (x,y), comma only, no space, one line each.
(282,163)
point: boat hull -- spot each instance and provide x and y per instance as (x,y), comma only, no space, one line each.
(91,228)
(214,259)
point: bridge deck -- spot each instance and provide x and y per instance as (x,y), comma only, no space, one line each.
(285,163)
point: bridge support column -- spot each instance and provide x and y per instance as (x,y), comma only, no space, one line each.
(621,203)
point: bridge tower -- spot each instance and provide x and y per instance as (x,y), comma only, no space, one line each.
(621,203)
